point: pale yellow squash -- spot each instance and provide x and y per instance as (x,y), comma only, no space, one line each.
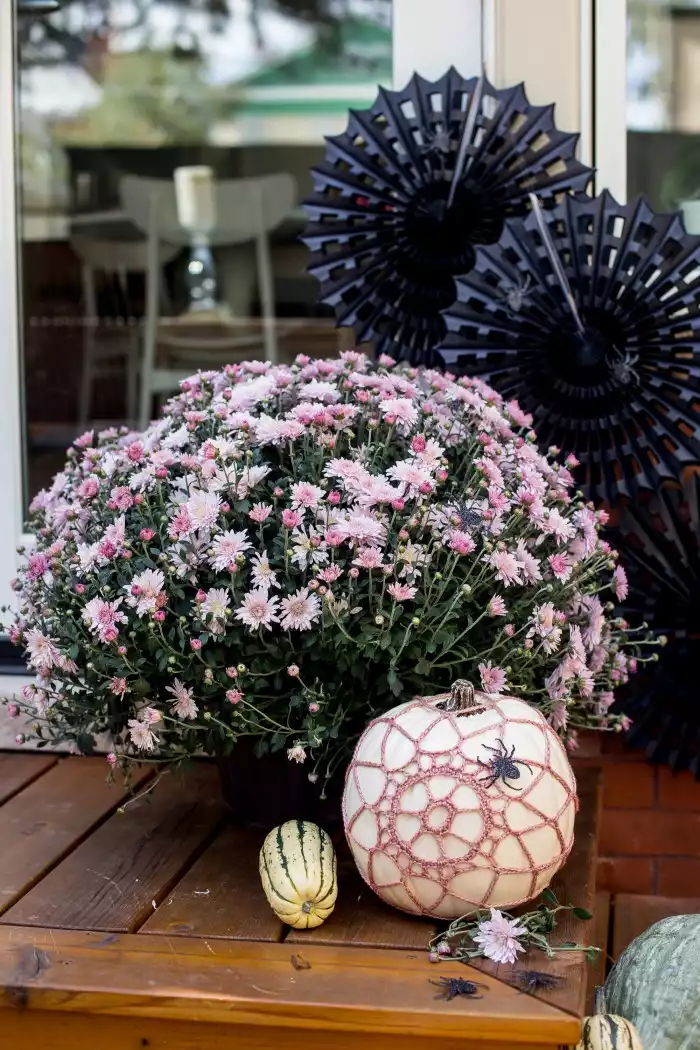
(298,869)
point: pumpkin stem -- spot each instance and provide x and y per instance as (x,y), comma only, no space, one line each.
(461,696)
(600,999)
(306,907)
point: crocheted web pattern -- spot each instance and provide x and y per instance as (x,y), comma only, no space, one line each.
(433,832)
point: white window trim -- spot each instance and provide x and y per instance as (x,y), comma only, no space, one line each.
(610,96)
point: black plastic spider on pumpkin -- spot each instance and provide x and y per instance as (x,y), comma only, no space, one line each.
(451,987)
(502,766)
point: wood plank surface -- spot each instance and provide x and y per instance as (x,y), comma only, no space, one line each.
(574,884)
(377,992)
(17,770)
(635,913)
(597,971)
(42,823)
(221,895)
(361,919)
(111,880)
(27,1030)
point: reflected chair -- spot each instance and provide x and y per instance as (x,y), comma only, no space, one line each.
(247,211)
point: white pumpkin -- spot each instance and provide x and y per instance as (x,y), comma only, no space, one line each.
(298,870)
(457,802)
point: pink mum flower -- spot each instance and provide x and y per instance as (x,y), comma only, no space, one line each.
(461,542)
(226,549)
(183,703)
(291,518)
(497,607)
(117,686)
(620,583)
(305,495)
(215,608)
(369,558)
(493,679)
(145,590)
(330,574)
(498,937)
(264,577)
(203,510)
(260,512)
(43,654)
(508,567)
(401,592)
(399,410)
(561,566)
(102,618)
(258,609)
(300,610)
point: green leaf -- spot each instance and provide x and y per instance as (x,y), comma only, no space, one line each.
(550,898)
(581,913)
(422,668)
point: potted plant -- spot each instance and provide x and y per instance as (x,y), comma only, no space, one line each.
(289,551)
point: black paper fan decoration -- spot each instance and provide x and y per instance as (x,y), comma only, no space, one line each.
(658,535)
(410,187)
(615,377)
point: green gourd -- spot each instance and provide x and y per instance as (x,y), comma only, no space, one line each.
(656,984)
(299,874)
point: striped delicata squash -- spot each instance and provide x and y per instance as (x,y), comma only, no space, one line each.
(298,872)
(608,1031)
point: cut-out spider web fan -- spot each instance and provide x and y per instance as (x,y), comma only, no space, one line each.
(658,534)
(615,378)
(408,189)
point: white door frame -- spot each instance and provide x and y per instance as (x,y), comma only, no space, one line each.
(11,392)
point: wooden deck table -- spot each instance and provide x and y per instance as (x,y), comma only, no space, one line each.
(147,928)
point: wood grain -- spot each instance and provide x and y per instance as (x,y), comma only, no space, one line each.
(18,770)
(353,990)
(361,919)
(635,913)
(42,823)
(27,1030)
(574,884)
(112,879)
(601,934)
(221,895)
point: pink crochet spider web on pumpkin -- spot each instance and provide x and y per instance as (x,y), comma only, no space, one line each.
(429,833)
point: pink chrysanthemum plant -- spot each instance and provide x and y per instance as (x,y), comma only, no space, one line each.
(290,550)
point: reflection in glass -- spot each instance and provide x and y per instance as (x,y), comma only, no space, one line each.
(663,104)
(114,96)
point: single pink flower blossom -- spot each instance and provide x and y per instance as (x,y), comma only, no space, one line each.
(291,518)
(493,679)
(293,671)
(498,937)
(620,583)
(195,644)
(234,695)
(401,592)
(146,535)
(497,606)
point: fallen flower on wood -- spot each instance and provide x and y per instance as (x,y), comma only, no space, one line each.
(499,936)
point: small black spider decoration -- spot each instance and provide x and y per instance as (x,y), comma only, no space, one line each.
(536,980)
(659,535)
(451,987)
(503,765)
(589,315)
(411,186)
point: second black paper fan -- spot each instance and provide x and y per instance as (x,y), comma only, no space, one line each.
(411,186)
(589,315)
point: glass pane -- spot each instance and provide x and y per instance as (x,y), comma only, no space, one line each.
(663,104)
(114,95)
